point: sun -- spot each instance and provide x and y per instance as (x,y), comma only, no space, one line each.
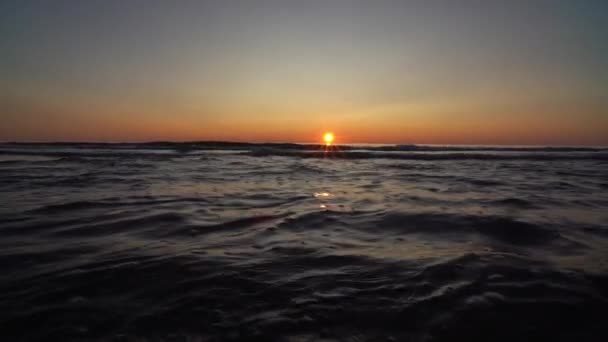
(328,138)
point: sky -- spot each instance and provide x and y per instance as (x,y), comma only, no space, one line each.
(428,72)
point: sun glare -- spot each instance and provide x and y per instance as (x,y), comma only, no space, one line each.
(328,138)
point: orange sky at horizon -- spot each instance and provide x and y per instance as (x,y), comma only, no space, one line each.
(130,128)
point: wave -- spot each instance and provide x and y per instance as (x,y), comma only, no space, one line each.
(95,152)
(306,297)
(78,206)
(544,156)
(515,203)
(498,229)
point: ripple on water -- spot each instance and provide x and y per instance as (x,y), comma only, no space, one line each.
(356,247)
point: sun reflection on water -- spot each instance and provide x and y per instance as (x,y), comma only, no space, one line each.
(322,194)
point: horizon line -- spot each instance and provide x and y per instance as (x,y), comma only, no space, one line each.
(142,142)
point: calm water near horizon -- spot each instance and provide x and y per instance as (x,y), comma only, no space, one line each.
(289,243)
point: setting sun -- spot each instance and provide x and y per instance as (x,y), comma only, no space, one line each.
(328,138)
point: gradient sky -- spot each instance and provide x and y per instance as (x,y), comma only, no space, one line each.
(465,72)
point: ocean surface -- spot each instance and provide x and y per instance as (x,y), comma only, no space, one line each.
(283,242)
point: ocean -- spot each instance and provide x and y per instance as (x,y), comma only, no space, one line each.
(223,241)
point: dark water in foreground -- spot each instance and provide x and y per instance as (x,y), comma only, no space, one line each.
(249,242)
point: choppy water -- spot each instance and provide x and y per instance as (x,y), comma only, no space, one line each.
(285,242)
